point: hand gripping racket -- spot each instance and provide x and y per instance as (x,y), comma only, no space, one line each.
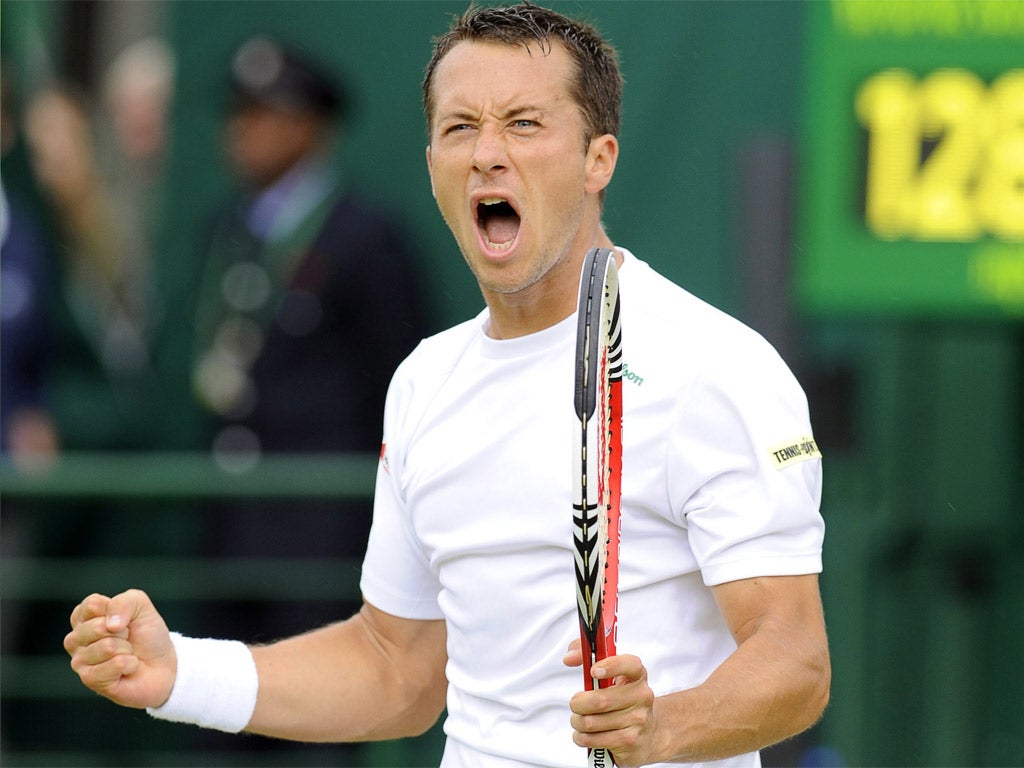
(598,465)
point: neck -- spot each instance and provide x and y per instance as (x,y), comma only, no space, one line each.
(544,304)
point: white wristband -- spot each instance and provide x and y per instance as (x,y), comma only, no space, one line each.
(215,686)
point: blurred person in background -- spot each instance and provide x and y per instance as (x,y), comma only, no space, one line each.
(102,388)
(102,199)
(76,359)
(28,435)
(306,304)
(27,431)
(137,91)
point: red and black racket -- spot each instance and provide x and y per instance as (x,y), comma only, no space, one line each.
(598,464)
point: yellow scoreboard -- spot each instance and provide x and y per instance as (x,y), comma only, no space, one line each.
(912,166)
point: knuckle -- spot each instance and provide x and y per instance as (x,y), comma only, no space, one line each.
(90,676)
(102,677)
(121,662)
(108,647)
(94,602)
(601,701)
(647,697)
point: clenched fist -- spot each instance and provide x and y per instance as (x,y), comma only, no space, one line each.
(121,648)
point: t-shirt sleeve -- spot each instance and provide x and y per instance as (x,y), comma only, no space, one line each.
(396,577)
(747,471)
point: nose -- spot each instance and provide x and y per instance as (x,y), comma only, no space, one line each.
(490,152)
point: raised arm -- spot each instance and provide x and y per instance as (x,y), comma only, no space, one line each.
(374,676)
(775,685)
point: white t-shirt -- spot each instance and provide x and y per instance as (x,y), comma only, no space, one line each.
(473,509)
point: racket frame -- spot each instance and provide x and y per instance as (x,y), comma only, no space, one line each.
(598,465)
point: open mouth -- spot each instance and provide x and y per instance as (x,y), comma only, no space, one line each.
(498,222)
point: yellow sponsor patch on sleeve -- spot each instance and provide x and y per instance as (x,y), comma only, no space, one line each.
(794,451)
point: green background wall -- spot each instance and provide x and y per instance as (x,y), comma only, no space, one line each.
(702,79)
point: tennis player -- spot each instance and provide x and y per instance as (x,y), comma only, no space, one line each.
(468,581)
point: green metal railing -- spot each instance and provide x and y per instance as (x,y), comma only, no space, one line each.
(143,484)
(190,476)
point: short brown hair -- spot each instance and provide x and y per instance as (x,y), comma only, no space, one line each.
(597,85)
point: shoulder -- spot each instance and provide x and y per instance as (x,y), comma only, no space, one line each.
(433,359)
(440,351)
(422,375)
(664,322)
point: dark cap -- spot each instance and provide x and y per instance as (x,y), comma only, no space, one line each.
(265,72)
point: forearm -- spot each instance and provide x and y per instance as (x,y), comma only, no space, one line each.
(774,686)
(349,682)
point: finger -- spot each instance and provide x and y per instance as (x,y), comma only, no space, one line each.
(619,669)
(92,606)
(600,701)
(92,630)
(629,688)
(124,608)
(84,633)
(573,654)
(91,638)
(102,650)
(105,676)
(611,716)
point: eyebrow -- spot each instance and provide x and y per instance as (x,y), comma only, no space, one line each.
(510,114)
(518,111)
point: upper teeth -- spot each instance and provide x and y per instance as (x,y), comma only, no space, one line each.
(492,200)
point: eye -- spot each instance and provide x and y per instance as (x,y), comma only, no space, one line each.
(457,128)
(524,123)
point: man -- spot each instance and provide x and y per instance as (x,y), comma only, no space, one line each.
(468,577)
(307,297)
(308,301)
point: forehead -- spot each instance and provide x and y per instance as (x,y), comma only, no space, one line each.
(501,75)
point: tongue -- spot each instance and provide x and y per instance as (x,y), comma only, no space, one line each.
(501,229)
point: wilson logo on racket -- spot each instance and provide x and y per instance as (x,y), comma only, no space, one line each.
(597,464)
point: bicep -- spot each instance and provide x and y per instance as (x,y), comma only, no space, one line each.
(779,628)
(410,643)
(412,655)
(791,603)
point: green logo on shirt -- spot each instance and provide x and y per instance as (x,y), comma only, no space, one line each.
(629,375)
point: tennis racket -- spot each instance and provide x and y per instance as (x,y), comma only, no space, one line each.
(598,465)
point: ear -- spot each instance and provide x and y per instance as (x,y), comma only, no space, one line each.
(430,172)
(602,154)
